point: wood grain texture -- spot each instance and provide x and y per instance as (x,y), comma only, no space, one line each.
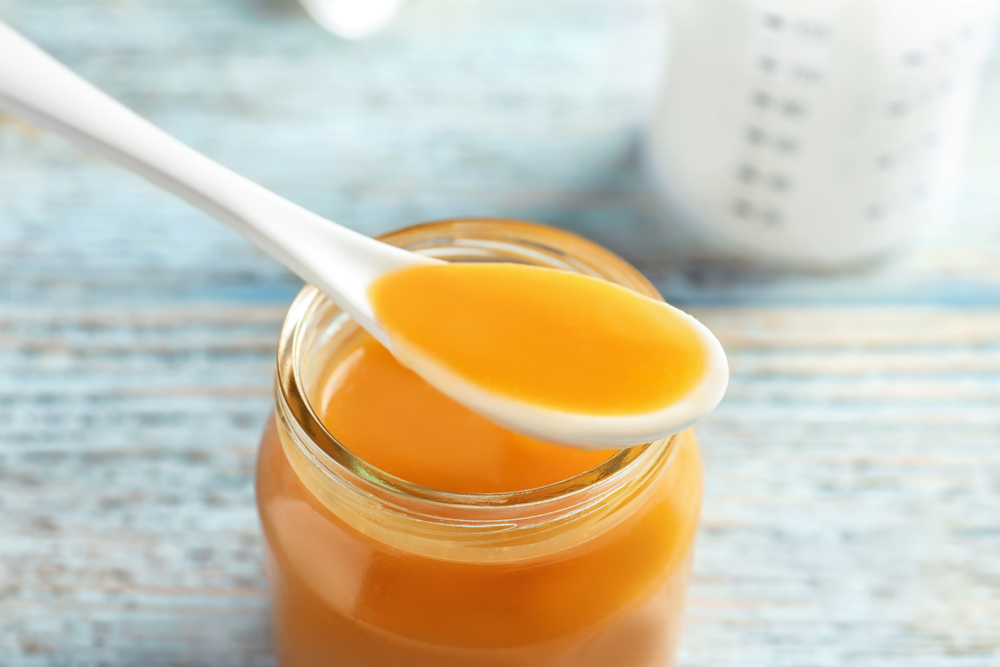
(853,499)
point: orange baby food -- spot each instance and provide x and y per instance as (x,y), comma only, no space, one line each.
(382,549)
(391,418)
(551,338)
(611,595)
(343,599)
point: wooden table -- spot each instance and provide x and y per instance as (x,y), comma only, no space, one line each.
(852,514)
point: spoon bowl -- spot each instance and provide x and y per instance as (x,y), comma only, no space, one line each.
(592,432)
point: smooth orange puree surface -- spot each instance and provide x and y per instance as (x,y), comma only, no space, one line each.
(552,338)
(391,418)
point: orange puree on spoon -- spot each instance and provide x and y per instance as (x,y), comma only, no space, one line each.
(555,339)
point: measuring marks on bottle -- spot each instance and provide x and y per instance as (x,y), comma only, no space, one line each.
(931,77)
(787,64)
(867,121)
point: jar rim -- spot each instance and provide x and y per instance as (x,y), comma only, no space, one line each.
(333,459)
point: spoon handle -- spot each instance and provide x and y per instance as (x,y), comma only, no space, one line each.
(339,261)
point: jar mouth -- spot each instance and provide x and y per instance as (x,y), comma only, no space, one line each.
(313,321)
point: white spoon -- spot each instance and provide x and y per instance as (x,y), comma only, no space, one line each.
(340,262)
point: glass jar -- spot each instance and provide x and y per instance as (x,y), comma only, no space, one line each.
(366,569)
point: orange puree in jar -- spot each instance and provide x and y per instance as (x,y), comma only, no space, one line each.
(556,339)
(403,530)
(342,598)
(390,417)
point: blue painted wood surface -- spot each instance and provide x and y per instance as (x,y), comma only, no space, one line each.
(853,503)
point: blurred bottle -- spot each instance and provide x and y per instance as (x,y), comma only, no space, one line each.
(816,133)
(352,19)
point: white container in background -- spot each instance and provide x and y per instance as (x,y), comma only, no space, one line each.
(816,132)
